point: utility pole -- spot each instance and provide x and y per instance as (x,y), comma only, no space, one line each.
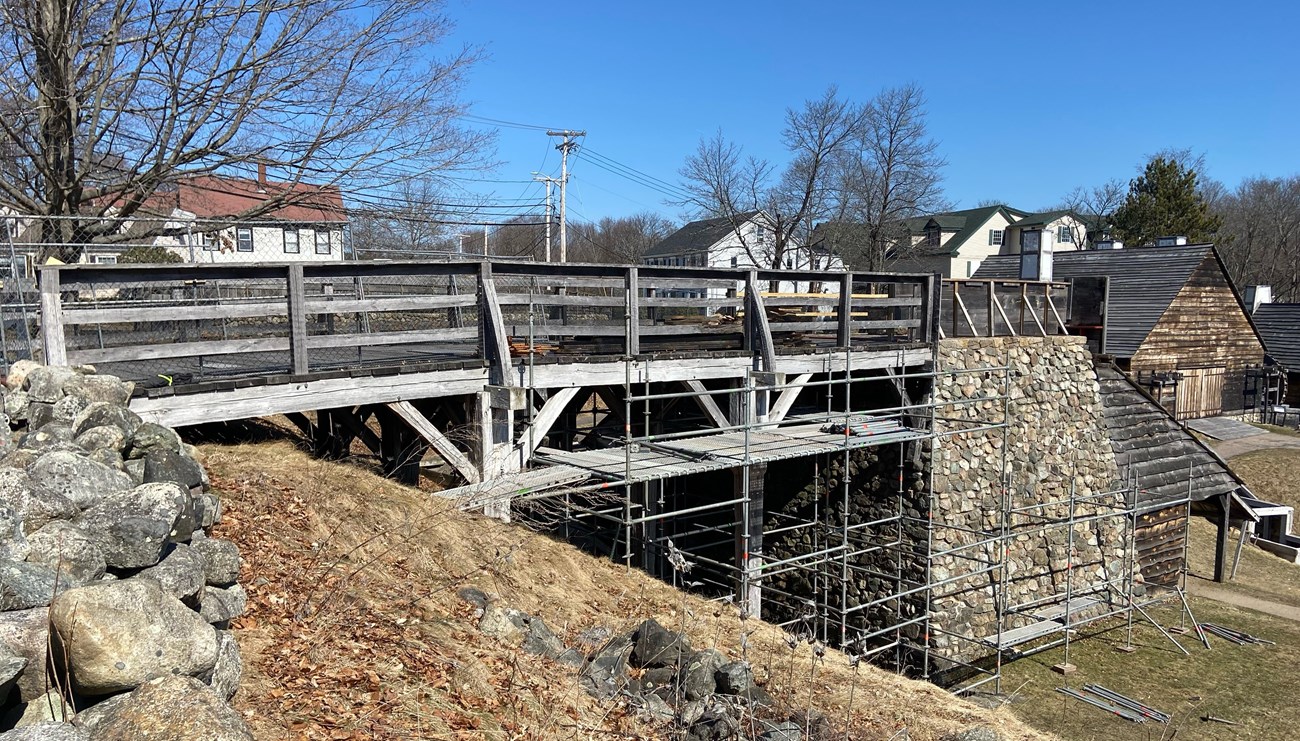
(485,233)
(460,246)
(549,182)
(565,146)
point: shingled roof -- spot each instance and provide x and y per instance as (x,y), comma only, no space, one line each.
(966,223)
(1279,327)
(698,236)
(1143,283)
(1149,444)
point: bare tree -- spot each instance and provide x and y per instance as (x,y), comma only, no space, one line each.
(626,239)
(722,182)
(1093,208)
(1260,236)
(411,221)
(115,99)
(890,172)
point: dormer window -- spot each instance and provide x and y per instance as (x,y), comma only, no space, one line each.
(932,237)
(1064,235)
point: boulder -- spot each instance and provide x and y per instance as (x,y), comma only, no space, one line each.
(734,678)
(25,633)
(229,669)
(99,388)
(18,373)
(45,383)
(697,674)
(113,636)
(13,543)
(101,413)
(48,731)
(11,665)
(135,469)
(782,731)
(606,673)
(15,406)
(39,416)
(66,409)
(472,595)
(977,733)
(27,585)
(132,527)
(717,724)
(657,710)
(180,574)
(36,503)
(221,560)
(171,708)
(220,606)
(104,437)
(78,478)
(168,465)
(149,437)
(655,645)
(503,623)
(540,640)
(64,547)
(88,719)
(48,707)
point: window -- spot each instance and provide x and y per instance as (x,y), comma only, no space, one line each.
(19,262)
(322,243)
(291,241)
(995,237)
(735,261)
(1064,234)
(760,236)
(816,263)
(208,241)
(104,259)
(243,239)
(931,237)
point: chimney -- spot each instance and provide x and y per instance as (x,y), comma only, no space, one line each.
(261,177)
(1171,241)
(1257,296)
(1109,244)
(1036,255)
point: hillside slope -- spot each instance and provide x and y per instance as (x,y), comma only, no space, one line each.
(355,630)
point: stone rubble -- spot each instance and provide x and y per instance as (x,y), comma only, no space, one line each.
(114,602)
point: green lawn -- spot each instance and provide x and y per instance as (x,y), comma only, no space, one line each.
(1248,684)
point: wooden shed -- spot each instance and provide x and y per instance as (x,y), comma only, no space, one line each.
(1172,319)
(1171,466)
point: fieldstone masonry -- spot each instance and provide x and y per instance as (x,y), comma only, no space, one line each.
(1056,443)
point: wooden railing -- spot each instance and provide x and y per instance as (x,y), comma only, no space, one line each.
(1004,308)
(305,317)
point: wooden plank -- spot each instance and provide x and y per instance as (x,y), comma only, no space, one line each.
(438,441)
(178,350)
(173,313)
(856,324)
(297,321)
(760,334)
(56,350)
(368,339)
(545,419)
(843,332)
(707,403)
(386,303)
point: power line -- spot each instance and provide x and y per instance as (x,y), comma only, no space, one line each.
(641,173)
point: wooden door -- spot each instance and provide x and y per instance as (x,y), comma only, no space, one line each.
(1200,393)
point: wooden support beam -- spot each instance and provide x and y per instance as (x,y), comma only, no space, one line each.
(786,399)
(759,335)
(1221,541)
(707,403)
(56,349)
(544,420)
(633,338)
(303,424)
(438,441)
(843,334)
(492,329)
(356,422)
(297,321)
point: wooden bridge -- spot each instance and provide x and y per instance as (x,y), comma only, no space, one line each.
(512,352)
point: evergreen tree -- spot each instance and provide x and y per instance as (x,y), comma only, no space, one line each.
(1165,201)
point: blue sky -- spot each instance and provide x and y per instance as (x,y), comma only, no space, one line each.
(1027,100)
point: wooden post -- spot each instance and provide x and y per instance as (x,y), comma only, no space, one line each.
(56,349)
(992,326)
(757,329)
(1221,542)
(492,330)
(632,343)
(297,321)
(749,534)
(844,335)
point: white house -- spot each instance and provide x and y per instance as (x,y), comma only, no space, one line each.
(746,242)
(954,243)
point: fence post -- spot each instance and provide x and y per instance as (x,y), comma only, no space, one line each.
(633,340)
(843,335)
(297,321)
(56,349)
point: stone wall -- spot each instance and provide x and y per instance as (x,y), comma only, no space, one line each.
(1056,436)
(1056,446)
(114,603)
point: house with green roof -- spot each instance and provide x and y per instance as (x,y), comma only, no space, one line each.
(954,243)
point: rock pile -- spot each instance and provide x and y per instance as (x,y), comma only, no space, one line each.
(114,603)
(702,694)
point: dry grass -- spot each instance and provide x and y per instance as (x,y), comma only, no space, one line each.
(354,629)
(1271,474)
